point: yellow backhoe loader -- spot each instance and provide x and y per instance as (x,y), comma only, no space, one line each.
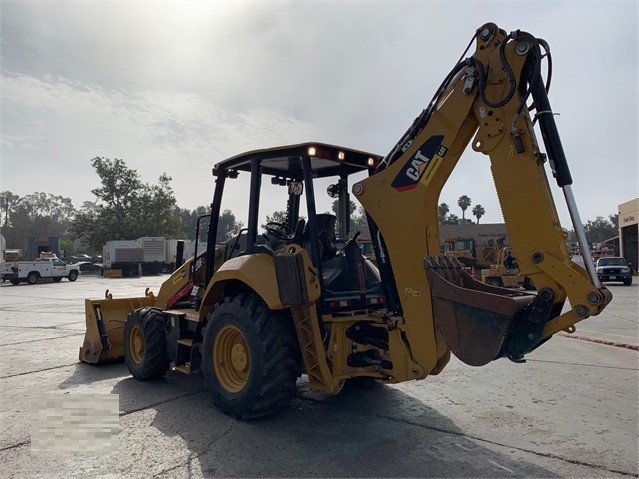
(256,312)
(504,272)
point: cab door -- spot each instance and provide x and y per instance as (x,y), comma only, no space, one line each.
(58,267)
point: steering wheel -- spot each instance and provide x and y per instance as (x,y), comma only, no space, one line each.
(280,231)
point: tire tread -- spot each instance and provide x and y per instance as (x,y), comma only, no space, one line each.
(155,362)
(279,358)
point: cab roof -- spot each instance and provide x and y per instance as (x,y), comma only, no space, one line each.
(286,161)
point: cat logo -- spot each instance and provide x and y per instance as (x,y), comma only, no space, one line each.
(416,293)
(416,166)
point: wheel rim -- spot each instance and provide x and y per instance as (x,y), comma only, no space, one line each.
(136,344)
(231,359)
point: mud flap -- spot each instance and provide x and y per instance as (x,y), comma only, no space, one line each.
(103,340)
(474,319)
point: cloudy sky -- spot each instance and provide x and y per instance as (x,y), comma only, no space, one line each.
(176,87)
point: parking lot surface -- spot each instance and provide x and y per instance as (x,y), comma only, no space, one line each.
(569,411)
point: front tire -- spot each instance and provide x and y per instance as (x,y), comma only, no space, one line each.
(57,279)
(250,357)
(627,281)
(145,351)
(73,275)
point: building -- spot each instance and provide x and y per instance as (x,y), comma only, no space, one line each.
(484,234)
(629,231)
(34,245)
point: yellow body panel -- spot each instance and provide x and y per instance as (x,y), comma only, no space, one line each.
(255,271)
(112,314)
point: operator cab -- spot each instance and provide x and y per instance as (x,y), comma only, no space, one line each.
(318,221)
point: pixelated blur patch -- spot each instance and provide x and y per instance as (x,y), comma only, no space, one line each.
(75,423)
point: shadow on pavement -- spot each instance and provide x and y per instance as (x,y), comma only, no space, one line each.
(85,373)
(367,431)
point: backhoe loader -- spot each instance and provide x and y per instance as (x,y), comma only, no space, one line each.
(254,313)
(505,272)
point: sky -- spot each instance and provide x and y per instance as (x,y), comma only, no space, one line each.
(176,87)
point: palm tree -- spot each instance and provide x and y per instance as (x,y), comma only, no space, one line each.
(478,212)
(442,211)
(463,202)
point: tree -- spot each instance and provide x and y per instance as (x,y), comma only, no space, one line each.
(359,223)
(125,207)
(442,210)
(443,216)
(277,217)
(464,202)
(36,214)
(599,229)
(158,210)
(451,220)
(351,207)
(8,202)
(478,212)
(227,227)
(188,221)
(614,219)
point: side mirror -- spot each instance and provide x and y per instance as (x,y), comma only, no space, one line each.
(295,188)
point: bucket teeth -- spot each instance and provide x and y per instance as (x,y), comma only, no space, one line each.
(447,267)
(428,262)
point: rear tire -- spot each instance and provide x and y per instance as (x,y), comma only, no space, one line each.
(14,282)
(145,351)
(73,275)
(250,357)
(33,277)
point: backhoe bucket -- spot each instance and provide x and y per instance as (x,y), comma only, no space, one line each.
(103,340)
(475,319)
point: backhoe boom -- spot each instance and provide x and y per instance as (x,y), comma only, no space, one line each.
(481,103)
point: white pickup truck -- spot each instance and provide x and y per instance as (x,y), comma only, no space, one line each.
(32,271)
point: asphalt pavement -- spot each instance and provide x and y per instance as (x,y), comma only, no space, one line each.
(569,411)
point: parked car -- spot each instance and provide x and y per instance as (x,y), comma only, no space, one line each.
(78,258)
(613,268)
(87,267)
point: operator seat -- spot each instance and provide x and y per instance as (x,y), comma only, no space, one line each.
(325,235)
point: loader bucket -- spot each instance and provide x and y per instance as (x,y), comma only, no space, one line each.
(103,340)
(475,319)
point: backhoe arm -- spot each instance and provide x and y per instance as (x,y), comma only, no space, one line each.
(482,102)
